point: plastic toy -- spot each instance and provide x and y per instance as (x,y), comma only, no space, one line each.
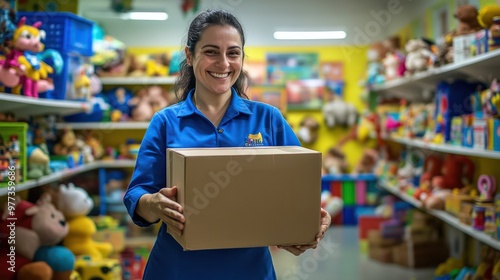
(489,18)
(75,204)
(486,184)
(30,72)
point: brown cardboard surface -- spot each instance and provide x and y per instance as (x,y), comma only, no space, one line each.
(246,197)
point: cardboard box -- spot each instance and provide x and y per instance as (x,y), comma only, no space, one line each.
(246,197)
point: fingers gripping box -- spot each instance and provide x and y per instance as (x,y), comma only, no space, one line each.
(246,197)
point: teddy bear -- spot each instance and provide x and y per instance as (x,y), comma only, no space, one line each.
(418,57)
(308,131)
(367,163)
(75,203)
(468,23)
(334,162)
(38,229)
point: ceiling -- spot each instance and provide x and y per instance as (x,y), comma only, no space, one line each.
(364,21)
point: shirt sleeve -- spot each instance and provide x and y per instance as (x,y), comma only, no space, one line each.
(150,169)
(282,132)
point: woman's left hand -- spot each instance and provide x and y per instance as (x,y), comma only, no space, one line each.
(326,220)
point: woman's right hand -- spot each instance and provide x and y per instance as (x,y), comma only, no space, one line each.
(163,204)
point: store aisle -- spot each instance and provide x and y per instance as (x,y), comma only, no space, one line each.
(339,258)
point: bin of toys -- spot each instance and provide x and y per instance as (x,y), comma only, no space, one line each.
(13,154)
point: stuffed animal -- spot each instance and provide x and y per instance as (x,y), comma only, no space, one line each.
(394,60)
(368,162)
(334,162)
(375,72)
(38,161)
(38,229)
(489,18)
(75,204)
(457,172)
(418,57)
(338,112)
(308,131)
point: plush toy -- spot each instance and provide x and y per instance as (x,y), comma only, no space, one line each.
(375,72)
(38,161)
(394,60)
(368,162)
(334,162)
(75,204)
(457,172)
(308,131)
(38,229)
(418,57)
(65,142)
(338,112)
(141,110)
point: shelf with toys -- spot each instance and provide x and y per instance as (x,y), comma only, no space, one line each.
(70,172)
(104,125)
(446,148)
(478,68)
(25,106)
(444,216)
(166,80)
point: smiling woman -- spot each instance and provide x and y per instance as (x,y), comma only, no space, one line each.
(213,111)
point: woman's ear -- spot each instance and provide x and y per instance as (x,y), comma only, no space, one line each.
(188,57)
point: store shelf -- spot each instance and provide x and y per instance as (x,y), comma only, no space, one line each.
(478,68)
(67,173)
(24,106)
(138,80)
(445,217)
(105,125)
(447,148)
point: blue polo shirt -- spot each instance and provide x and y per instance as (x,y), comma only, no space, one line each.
(245,123)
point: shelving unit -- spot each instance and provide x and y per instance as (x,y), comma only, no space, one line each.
(445,217)
(67,173)
(478,68)
(446,148)
(138,80)
(105,125)
(24,106)
(481,68)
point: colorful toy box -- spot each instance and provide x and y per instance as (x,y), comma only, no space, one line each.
(451,99)
(13,153)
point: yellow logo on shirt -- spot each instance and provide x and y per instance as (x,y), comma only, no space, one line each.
(254,140)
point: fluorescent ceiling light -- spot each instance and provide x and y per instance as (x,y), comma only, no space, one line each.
(309,35)
(145,16)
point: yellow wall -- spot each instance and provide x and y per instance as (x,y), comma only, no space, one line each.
(354,60)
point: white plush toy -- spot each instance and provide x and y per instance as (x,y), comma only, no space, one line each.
(338,112)
(418,57)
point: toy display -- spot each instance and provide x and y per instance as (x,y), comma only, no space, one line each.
(75,204)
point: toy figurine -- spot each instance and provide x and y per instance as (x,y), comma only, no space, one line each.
(28,68)
(486,185)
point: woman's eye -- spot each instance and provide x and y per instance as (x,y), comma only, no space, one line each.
(234,54)
(210,52)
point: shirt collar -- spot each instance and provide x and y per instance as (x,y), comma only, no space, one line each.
(236,106)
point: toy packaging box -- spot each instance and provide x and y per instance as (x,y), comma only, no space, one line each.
(246,197)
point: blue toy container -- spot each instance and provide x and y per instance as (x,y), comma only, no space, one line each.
(64,81)
(65,32)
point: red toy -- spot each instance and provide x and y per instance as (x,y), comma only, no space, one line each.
(458,171)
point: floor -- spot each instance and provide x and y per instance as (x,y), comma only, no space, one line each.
(339,258)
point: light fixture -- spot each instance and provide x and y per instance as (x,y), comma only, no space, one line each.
(145,15)
(309,35)
(132,15)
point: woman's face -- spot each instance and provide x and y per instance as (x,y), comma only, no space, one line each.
(217,59)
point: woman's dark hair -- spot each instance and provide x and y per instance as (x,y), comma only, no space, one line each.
(186,80)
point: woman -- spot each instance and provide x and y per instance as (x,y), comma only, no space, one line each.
(214,112)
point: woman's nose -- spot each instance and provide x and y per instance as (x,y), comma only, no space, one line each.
(223,61)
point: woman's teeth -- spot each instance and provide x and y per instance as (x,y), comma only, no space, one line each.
(220,76)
